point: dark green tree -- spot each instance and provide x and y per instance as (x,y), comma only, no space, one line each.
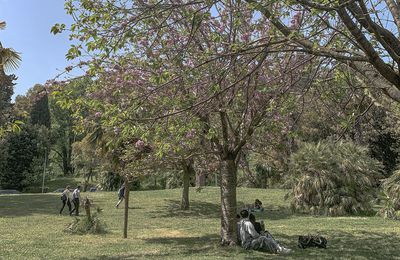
(40,113)
(18,152)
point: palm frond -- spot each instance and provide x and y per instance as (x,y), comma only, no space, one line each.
(10,59)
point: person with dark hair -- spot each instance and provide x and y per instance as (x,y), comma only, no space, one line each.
(121,195)
(65,199)
(258,205)
(258,226)
(250,239)
(75,200)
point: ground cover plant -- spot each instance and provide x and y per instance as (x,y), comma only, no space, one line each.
(30,228)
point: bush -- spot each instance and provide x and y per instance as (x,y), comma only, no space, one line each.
(86,225)
(391,196)
(333,179)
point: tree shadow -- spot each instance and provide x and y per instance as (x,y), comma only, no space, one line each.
(344,245)
(198,209)
(34,204)
(202,209)
(30,204)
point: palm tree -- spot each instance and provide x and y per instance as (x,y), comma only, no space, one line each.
(9,58)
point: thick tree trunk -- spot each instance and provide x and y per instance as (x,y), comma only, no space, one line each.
(126,210)
(228,201)
(188,170)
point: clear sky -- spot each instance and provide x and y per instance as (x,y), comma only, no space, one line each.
(28,32)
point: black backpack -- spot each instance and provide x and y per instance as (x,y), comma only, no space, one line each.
(63,196)
(312,241)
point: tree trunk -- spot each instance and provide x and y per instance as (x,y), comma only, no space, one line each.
(200,179)
(127,188)
(87,208)
(228,201)
(188,170)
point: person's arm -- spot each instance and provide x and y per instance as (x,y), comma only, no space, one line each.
(250,228)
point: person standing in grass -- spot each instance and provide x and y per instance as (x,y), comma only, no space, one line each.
(65,199)
(121,195)
(75,199)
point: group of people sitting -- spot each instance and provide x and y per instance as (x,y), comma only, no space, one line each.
(252,235)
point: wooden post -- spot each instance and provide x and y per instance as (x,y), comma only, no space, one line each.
(87,208)
(126,183)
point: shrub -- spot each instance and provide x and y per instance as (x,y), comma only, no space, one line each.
(391,196)
(88,225)
(333,178)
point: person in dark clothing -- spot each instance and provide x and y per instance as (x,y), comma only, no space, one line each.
(75,200)
(65,199)
(258,205)
(258,226)
(121,195)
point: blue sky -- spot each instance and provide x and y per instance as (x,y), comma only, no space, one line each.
(28,32)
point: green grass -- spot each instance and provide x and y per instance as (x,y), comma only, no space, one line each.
(30,228)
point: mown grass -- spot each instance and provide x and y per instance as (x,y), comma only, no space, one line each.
(30,228)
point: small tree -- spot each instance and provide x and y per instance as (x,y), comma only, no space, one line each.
(333,178)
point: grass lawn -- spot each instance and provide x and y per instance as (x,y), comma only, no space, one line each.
(30,228)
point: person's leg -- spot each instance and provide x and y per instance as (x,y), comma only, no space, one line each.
(119,202)
(62,208)
(74,209)
(265,244)
(77,207)
(69,204)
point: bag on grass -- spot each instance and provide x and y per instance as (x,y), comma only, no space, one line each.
(312,241)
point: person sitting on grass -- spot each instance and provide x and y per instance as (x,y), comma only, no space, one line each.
(258,226)
(258,205)
(250,239)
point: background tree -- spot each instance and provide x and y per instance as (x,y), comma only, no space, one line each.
(333,179)
(9,59)
(21,161)
(225,64)
(353,32)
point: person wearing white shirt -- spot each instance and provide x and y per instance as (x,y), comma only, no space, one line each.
(75,200)
(250,239)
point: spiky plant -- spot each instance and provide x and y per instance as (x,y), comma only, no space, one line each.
(9,58)
(391,197)
(333,178)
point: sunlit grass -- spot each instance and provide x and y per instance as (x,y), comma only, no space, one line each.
(30,228)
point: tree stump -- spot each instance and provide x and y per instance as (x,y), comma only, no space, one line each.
(87,207)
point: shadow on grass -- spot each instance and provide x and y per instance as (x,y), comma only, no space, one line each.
(33,204)
(341,245)
(201,209)
(198,209)
(345,245)
(30,204)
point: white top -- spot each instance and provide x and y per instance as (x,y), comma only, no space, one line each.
(76,194)
(247,231)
